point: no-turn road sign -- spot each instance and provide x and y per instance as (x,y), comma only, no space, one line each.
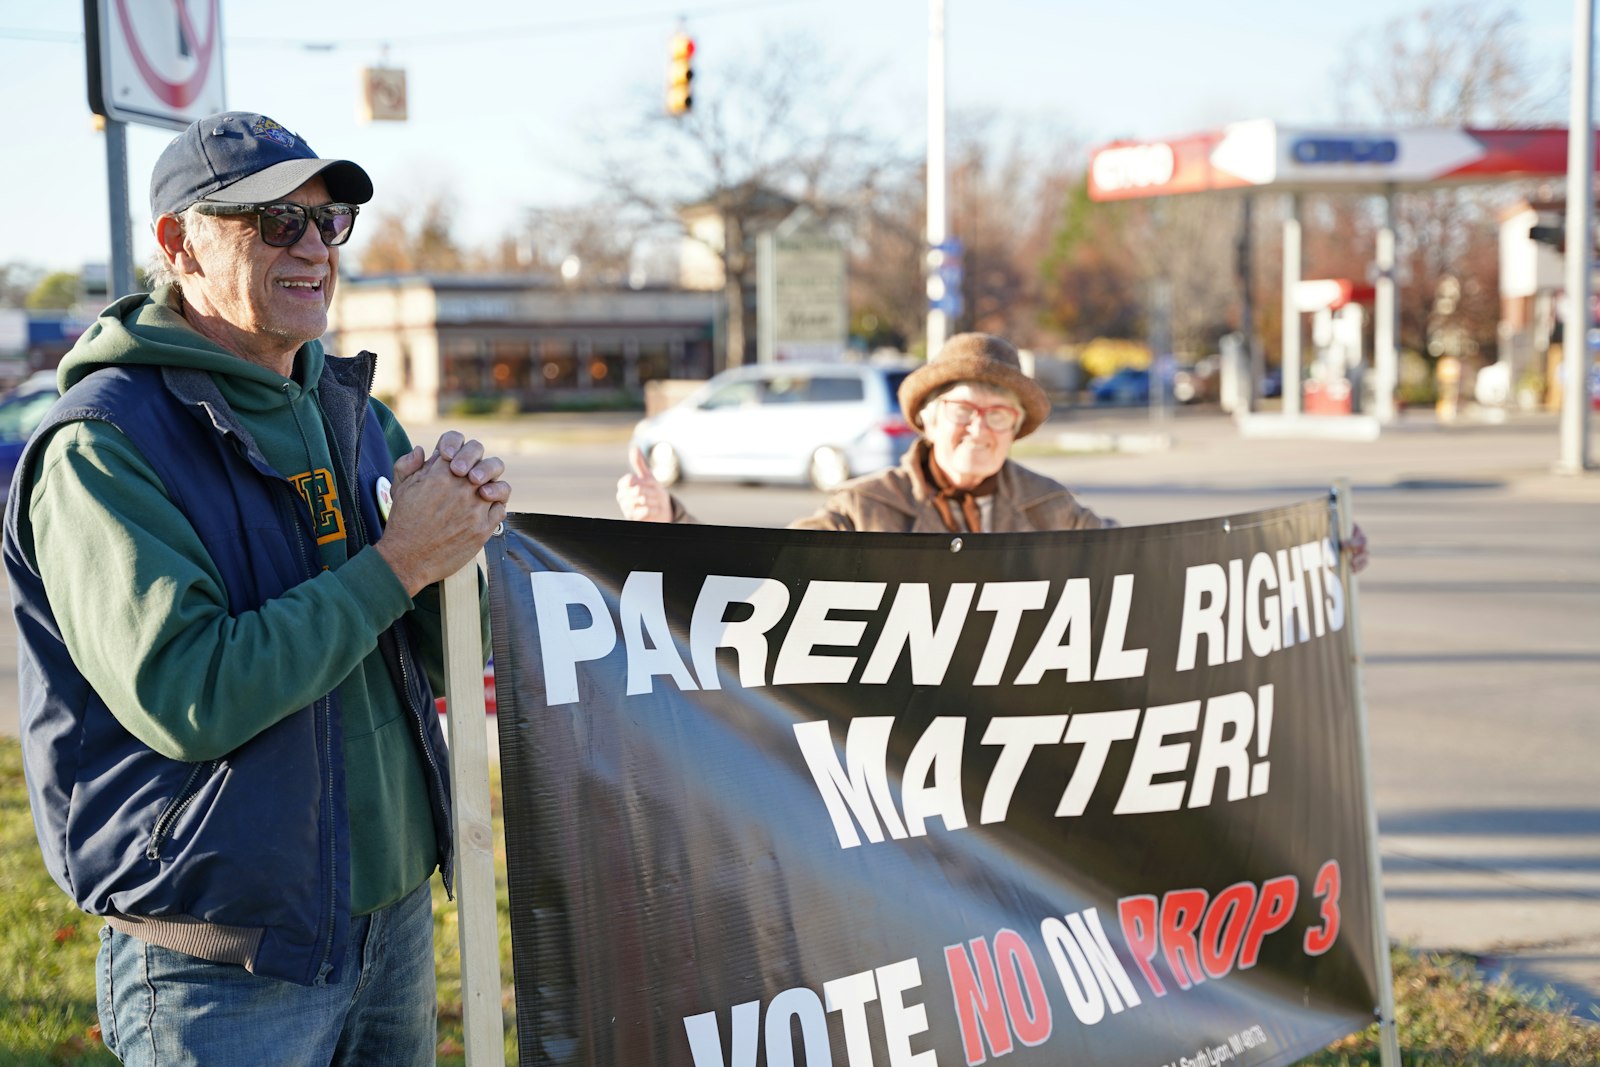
(156,62)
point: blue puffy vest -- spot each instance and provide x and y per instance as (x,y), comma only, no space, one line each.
(251,849)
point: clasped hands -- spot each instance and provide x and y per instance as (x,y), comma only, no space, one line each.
(446,505)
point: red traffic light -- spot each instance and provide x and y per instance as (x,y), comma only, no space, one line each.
(680,75)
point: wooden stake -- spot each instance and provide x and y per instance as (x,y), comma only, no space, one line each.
(482,1020)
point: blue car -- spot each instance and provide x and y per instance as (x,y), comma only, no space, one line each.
(20,411)
(1129,385)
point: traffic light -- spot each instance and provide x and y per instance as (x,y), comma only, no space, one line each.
(680,75)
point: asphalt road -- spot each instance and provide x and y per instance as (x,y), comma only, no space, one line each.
(1480,622)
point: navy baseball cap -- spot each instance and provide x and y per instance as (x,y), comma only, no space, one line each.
(240,157)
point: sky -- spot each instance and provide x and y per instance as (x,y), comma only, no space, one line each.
(507,96)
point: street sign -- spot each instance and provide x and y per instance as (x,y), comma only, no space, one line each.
(802,291)
(155,62)
(383,94)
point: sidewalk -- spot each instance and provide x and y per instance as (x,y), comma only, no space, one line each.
(1417,452)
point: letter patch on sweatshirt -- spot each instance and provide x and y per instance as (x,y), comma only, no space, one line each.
(322,495)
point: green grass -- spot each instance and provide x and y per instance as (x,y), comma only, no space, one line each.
(47,947)
(1449,1016)
(47,951)
(447,951)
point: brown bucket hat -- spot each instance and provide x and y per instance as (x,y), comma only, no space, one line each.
(975,357)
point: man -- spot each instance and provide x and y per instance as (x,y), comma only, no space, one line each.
(224,557)
(971,402)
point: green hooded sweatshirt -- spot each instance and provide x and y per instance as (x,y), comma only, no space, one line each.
(144,613)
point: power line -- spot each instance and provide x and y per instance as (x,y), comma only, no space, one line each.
(512,33)
(460,37)
(52,36)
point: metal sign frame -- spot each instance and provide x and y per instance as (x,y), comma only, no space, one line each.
(132,79)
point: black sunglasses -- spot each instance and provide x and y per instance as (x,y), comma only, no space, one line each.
(283,224)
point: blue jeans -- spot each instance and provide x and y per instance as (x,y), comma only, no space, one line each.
(160,1008)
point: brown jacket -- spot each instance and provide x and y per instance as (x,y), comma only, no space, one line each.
(900,500)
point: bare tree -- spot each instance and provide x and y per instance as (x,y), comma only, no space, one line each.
(759,141)
(587,244)
(1007,191)
(1456,65)
(1008,187)
(414,238)
(888,294)
(1460,64)
(17,280)
(1184,249)
(1160,269)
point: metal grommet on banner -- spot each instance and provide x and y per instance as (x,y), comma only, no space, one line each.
(955,544)
(499,528)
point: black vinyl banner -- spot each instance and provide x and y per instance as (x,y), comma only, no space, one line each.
(777,797)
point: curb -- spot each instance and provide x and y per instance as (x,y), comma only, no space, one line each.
(1081,442)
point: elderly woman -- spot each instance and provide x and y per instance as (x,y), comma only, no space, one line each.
(971,402)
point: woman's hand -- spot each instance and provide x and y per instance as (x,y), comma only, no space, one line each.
(639,496)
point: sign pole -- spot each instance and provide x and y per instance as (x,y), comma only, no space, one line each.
(121,281)
(1388,1036)
(482,1022)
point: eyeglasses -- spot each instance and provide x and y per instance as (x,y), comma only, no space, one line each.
(283,224)
(1001,418)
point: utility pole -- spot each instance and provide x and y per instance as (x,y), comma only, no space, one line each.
(1385,319)
(938,319)
(1580,245)
(1291,307)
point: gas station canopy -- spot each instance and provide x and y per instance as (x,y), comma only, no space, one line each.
(1261,154)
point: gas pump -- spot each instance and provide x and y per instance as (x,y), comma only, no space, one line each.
(1338,322)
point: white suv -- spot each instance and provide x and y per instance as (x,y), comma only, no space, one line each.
(821,423)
